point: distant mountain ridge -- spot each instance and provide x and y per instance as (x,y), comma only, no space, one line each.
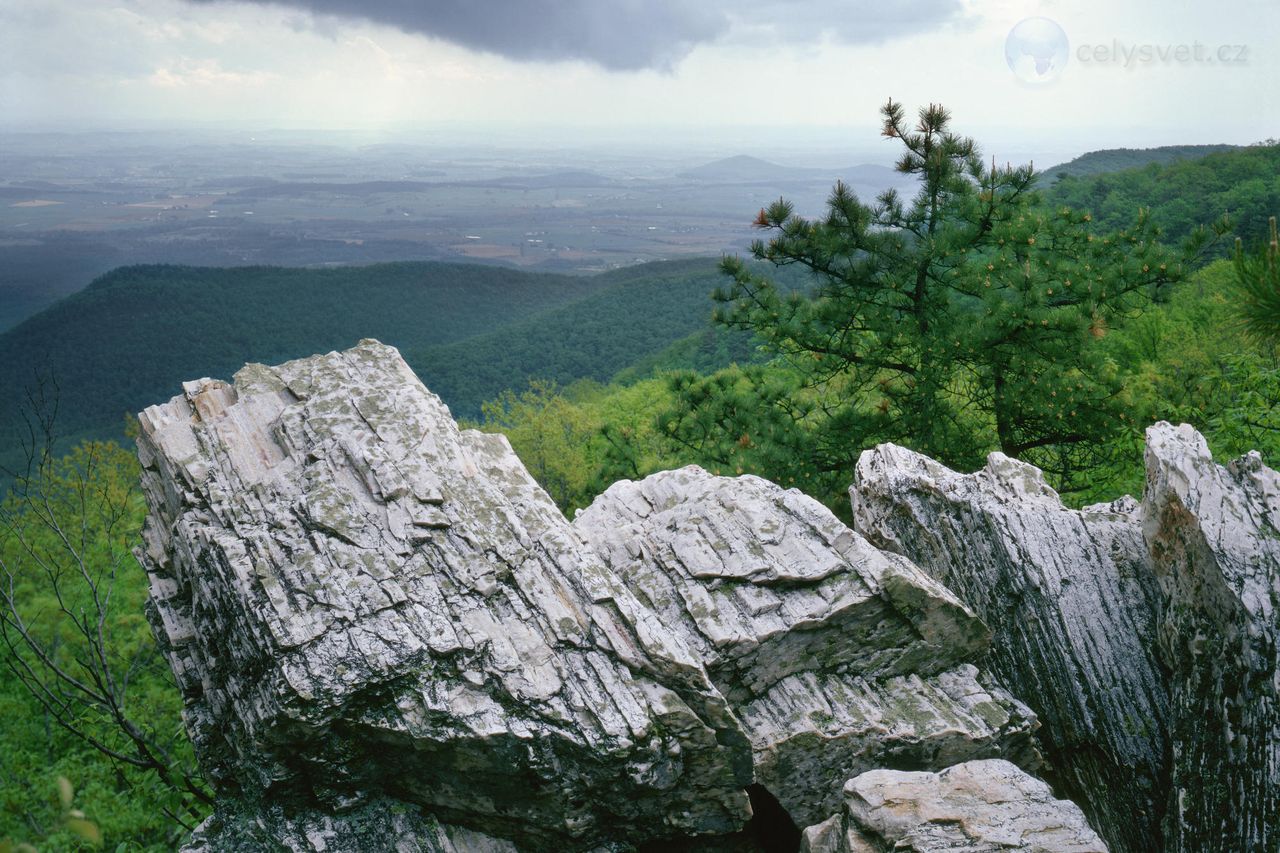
(747,169)
(1119,159)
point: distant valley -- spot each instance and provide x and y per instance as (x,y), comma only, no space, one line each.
(72,209)
(289,281)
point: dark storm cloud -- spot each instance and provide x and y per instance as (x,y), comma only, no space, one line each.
(630,34)
(855,21)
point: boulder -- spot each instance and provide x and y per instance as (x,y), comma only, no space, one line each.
(988,806)
(360,600)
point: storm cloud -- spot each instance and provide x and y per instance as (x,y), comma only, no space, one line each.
(632,34)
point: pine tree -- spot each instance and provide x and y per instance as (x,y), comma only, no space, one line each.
(959,321)
(1258,281)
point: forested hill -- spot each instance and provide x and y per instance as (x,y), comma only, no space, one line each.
(631,325)
(128,339)
(1243,183)
(1119,159)
(471,331)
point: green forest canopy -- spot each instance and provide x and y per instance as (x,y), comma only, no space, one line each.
(131,338)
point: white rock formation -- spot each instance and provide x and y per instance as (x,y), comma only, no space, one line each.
(837,657)
(380,623)
(388,637)
(1214,536)
(1072,600)
(1145,636)
(356,596)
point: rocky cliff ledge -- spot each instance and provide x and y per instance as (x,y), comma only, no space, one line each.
(388,637)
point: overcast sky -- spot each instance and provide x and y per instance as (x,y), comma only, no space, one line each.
(686,66)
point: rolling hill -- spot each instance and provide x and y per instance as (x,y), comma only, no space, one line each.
(1243,183)
(636,318)
(471,331)
(129,338)
(1119,159)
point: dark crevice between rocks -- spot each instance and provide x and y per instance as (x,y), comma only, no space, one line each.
(770,825)
(770,830)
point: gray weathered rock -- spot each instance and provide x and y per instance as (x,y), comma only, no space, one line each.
(1180,755)
(986,806)
(762,582)
(811,729)
(387,635)
(1214,536)
(358,599)
(1073,603)
(836,656)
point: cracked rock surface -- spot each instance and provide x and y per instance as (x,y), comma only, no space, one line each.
(1214,536)
(837,657)
(357,596)
(1072,600)
(387,636)
(384,629)
(1144,635)
(382,825)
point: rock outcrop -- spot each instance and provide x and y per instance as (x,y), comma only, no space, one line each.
(980,806)
(384,629)
(359,599)
(837,657)
(388,637)
(1143,635)
(1214,538)
(1073,602)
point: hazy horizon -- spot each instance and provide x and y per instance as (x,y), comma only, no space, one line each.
(803,79)
(797,146)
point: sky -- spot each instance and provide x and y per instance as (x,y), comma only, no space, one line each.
(647,70)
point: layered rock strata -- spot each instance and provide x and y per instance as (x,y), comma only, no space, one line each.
(1144,635)
(837,657)
(365,605)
